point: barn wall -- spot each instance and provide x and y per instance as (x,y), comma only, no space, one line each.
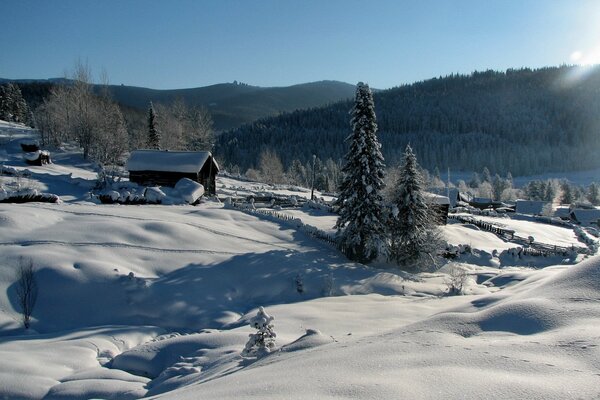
(150,178)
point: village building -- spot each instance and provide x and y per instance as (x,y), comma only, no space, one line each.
(530,207)
(439,205)
(585,217)
(166,168)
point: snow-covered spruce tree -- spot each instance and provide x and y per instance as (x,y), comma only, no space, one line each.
(412,231)
(153,133)
(263,341)
(360,223)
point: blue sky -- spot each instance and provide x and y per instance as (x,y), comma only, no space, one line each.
(177,44)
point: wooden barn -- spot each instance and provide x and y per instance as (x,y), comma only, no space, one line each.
(166,168)
(440,205)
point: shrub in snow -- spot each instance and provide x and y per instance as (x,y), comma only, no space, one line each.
(263,341)
(328,287)
(28,196)
(27,290)
(456,280)
(189,190)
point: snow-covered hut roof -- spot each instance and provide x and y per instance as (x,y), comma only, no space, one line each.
(168,161)
(530,207)
(586,217)
(436,198)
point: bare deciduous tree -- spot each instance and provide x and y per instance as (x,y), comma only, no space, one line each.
(74,112)
(27,289)
(271,168)
(456,280)
(184,127)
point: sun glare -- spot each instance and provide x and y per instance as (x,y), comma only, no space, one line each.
(576,56)
(588,57)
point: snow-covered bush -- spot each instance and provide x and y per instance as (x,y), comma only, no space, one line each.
(263,341)
(456,280)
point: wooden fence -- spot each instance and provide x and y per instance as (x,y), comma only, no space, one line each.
(312,231)
(530,248)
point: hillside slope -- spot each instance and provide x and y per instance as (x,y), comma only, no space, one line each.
(522,121)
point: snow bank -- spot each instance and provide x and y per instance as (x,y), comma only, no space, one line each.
(190,191)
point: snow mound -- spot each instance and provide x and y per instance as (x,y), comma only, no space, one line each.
(97,389)
(190,191)
(154,194)
(312,338)
(151,359)
(545,301)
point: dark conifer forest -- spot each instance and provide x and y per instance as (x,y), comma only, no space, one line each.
(521,121)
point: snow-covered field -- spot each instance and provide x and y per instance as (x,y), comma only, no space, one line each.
(139,301)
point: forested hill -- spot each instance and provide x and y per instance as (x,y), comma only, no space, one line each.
(230,104)
(523,121)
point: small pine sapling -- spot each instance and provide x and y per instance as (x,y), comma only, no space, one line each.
(299,283)
(263,341)
(328,288)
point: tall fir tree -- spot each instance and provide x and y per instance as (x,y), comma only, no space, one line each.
(413,236)
(568,196)
(360,224)
(153,132)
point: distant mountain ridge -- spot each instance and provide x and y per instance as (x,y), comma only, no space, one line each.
(230,104)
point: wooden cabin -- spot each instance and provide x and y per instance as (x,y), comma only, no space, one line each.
(530,207)
(166,168)
(439,205)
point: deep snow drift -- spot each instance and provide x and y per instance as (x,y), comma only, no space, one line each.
(136,301)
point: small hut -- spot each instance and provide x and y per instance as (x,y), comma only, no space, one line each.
(438,205)
(166,168)
(530,207)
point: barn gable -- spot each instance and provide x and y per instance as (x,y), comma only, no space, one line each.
(531,207)
(166,168)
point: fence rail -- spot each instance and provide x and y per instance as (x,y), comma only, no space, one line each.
(312,231)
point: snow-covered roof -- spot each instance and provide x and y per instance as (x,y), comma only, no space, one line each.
(562,212)
(586,217)
(436,198)
(168,161)
(531,207)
